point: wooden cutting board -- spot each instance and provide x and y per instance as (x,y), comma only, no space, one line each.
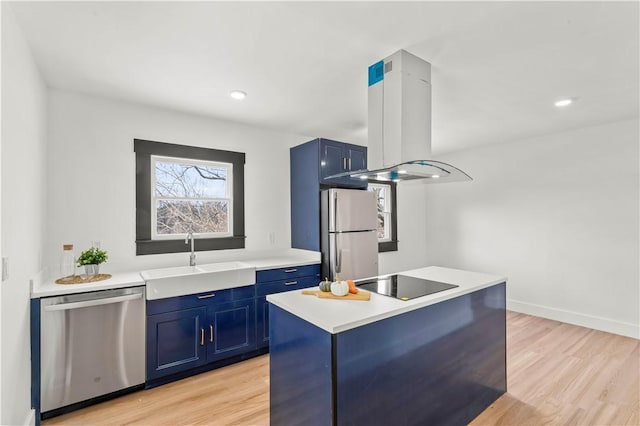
(361,295)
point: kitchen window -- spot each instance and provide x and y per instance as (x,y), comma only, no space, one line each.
(182,189)
(387,206)
(190,196)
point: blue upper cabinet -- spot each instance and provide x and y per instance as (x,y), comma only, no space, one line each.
(311,165)
(356,159)
(338,157)
(315,161)
(332,158)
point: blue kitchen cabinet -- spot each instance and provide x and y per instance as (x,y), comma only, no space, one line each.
(262,323)
(339,157)
(188,332)
(231,329)
(276,281)
(311,164)
(175,342)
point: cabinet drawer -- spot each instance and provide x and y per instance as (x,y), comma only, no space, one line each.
(201,299)
(262,289)
(288,273)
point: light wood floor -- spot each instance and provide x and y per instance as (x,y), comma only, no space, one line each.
(558,374)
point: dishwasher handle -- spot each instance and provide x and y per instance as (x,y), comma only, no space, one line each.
(95,302)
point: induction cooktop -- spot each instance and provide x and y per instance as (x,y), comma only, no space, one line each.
(403,287)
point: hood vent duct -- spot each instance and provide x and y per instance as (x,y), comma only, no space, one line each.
(399,145)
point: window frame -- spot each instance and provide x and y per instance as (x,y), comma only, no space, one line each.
(189,161)
(392,243)
(145,244)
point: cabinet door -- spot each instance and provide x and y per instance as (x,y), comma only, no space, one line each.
(339,157)
(263,321)
(356,157)
(231,329)
(332,159)
(175,342)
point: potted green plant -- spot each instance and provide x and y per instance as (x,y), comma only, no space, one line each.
(91,260)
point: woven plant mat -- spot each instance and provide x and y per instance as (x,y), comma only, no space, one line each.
(77,279)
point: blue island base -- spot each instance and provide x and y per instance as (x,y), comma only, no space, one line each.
(439,365)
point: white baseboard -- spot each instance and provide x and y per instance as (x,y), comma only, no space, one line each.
(30,420)
(590,321)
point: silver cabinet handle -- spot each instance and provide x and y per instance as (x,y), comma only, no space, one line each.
(291,283)
(288,271)
(349,164)
(211,331)
(207,296)
(96,302)
(202,337)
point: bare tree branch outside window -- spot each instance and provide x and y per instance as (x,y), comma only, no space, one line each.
(191,198)
(381,192)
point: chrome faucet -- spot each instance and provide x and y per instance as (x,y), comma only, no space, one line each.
(192,258)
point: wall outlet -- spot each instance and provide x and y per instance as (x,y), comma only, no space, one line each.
(5,268)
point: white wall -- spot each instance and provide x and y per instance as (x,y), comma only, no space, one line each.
(23,175)
(412,228)
(558,215)
(91,184)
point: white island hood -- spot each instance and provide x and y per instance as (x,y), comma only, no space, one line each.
(400,123)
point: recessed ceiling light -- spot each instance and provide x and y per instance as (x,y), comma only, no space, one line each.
(435,176)
(402,172)
(563,102)
(238,94)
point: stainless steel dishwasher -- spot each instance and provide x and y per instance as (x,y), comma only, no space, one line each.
(92,344)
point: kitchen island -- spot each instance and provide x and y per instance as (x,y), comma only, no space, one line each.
(437,359)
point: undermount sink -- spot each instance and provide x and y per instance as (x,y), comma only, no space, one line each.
(183,280)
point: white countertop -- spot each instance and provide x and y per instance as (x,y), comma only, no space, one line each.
(261,260)
(281,262)
(119,280)
(336,316)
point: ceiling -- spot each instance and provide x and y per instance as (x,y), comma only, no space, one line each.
(497,67)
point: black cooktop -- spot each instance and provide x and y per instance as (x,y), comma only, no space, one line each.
(403,287)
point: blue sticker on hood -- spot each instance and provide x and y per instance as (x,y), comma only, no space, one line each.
(376,73)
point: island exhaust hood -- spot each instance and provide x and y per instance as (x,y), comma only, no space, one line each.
(400,124)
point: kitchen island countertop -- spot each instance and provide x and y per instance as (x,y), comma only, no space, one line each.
(336,316)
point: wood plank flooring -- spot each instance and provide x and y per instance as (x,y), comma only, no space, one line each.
(558,374)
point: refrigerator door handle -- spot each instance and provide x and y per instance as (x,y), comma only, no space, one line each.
(335,211)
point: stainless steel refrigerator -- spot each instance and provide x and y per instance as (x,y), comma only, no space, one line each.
(349,237)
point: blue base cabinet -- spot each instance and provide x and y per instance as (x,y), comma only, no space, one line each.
(439,365)
(276,281)
(231,329)
(262,322)
(188,332)
(174,342)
